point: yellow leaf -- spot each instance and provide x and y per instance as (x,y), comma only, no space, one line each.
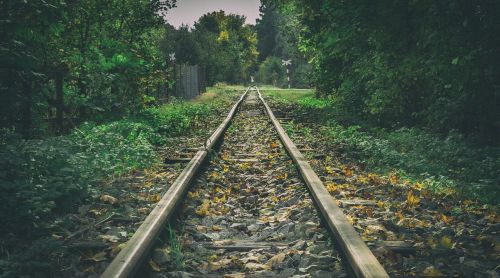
(274,199)
(193,195)
(225,168)
(411,199)
(431,271)
(419,186)
(374,178)
(331,187)
(446,242)
(445,218)
(363,180)
(380,204)
(143,210)
(99,257)
(154,197)
(393,178)
(274,145)
(203,209)
(329,170)
(347,171)
(220,200)
(154,266)
(108,199)
(276,260)
(256,266)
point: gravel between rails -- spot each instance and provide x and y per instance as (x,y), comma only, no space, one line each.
(249,214)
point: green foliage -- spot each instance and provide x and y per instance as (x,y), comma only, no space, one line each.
(40,177)
(278,36)
(406,63)
(105,52)
(272,72)
(227,35)
(444,162)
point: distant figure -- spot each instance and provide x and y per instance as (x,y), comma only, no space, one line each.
(251,79)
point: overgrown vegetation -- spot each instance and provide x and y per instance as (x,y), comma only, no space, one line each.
(450,164)
(406,63)
(222,43)
(42,178)
(278,35)
(87,60)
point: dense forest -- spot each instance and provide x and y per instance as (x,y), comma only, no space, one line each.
(406,63)
(401,86)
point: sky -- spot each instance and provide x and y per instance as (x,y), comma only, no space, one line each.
(188,11)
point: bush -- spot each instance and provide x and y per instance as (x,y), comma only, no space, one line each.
(445,163)
(40,177)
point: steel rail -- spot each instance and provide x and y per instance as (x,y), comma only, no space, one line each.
(128,261)
(361,259)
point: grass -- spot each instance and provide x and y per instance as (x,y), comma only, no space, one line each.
(446,164)
(43,178)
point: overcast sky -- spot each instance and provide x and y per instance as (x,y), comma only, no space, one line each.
(188,11)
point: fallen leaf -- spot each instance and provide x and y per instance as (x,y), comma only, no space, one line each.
(213,266)
(256,266)
(331,187)
(143,210)
(251,258)
(108,199)
(431,271)
(446,242)
(109,238)
(154,266)
(276,260)
(411,199)
(203,209)
(234,275)
(98,257)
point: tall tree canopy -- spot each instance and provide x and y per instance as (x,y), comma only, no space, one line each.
(428,63)
(101,57)
(220,42)
(277,40)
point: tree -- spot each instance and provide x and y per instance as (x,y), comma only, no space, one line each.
(404,63)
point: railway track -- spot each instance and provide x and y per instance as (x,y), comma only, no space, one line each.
(257,209)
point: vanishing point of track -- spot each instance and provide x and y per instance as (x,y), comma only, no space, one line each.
(360,260)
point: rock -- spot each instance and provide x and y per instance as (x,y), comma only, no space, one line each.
(304,262)
(284,229)
(323,274)
(238,226)
(309,268)
(178,274)
(161,256)
(288,272)
(252,199)
(255,227)
(300,245)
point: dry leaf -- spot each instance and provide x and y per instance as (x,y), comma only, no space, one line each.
(234,275)
(109,238)
(203,209)
(276,260)
(98,257)
(431,271)
(446,242)
(108,199)
(256,266)
(411,199)
(154,266)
